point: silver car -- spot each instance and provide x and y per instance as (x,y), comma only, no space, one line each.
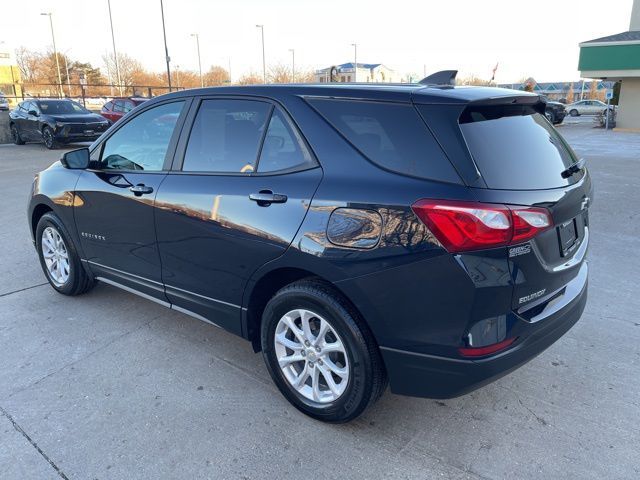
(4,103)
(586,107)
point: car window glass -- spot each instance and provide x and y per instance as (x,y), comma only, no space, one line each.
(118,106)
(141,143)
(108,106)
(226,136)
(128,106)
(282,148)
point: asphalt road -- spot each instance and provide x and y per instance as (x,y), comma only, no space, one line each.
(111,386)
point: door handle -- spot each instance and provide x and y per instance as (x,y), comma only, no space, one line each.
(267,197)
(140,189)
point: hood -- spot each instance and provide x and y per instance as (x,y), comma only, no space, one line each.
(78,118)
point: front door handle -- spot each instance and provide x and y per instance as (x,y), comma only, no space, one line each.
(140,189)
(267,197)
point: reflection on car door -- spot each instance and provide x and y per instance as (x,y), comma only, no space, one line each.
(114,204)
(213,228)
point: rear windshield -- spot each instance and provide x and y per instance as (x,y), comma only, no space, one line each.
(391,135)
(515,148)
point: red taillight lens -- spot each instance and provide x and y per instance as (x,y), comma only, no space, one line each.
(465,226)
(487,350)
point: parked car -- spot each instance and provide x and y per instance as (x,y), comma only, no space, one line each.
(4,103)
(555,112)
(431,236)
(117,108)
(54,122)
(585,107)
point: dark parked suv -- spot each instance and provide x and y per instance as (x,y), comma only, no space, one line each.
(429,235)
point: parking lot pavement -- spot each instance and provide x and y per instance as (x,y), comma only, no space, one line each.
(109,385)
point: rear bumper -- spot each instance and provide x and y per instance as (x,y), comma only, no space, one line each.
(422,375)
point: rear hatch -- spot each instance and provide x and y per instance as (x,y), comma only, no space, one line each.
(508,153)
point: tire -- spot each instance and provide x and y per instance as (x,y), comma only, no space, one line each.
(362,378)
(77,280)
(49,138)
(573,112)
(15,135)
(551,117)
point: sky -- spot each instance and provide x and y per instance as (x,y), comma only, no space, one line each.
(526,38)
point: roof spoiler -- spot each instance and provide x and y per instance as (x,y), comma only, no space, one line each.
(444,77)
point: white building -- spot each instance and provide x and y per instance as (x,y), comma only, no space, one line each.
(365,72)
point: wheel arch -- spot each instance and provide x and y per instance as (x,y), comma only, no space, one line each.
(265,286)
(38,211)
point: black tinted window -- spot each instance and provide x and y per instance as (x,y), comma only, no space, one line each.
(391,135)
(515,148)
(283,148)
(142,142)
(226,136)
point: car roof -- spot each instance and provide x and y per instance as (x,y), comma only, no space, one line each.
(368,91)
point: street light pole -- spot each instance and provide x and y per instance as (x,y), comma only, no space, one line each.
(166,49)
(55,53)
(293,65)
(264,64)
(199,62)
(355,61)
(115,54)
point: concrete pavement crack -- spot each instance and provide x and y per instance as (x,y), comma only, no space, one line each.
(23,289)
(20,430)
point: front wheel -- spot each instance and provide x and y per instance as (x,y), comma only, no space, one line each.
(319,353)
(15,135)
(59,258)
(573,112)
(49,138)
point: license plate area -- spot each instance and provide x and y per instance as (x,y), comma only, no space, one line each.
(567,237)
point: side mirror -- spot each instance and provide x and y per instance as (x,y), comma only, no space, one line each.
(76,159)
(33,112)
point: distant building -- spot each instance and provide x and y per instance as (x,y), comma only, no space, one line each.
(617,57)
(9,77)
(560,90)
(365,72)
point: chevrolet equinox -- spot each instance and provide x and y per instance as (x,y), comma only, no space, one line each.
(423,235)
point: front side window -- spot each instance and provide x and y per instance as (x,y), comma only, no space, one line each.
(142,142)
(283,148)
(118,106)
(226,136)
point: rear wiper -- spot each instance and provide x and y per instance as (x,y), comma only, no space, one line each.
(573,168)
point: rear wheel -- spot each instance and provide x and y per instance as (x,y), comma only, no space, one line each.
(15,135)
(49,138)
(59,258)
(319,353)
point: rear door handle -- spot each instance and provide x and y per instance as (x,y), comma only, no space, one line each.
(140,189)
(267,197)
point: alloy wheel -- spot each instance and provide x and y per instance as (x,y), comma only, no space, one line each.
(48,137)
(56,256)
(311,356)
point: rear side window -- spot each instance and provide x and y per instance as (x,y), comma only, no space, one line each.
(515,148)
(226,135)
(391,135)
(283,149)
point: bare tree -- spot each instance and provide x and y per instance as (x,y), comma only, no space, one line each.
(215,76)
(570,94)
(131,70)
(475,80)
(279,74)
(29,64)
(251,78)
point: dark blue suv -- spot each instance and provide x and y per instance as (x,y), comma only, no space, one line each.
(429,236)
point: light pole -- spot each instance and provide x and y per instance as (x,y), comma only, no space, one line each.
(199,62)
(355,62)
(66,67)
(293,65)
(55,52)
(115,54)
(166,49)
(178,76)
(264,64)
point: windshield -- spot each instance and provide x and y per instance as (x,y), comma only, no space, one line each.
(53,107)
(515,148)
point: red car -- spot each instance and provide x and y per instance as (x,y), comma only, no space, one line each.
(119,107)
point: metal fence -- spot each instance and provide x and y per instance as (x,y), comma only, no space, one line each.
(90,95)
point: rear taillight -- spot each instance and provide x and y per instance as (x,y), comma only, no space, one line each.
(465,226)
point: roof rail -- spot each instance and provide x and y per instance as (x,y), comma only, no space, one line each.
(444,77)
